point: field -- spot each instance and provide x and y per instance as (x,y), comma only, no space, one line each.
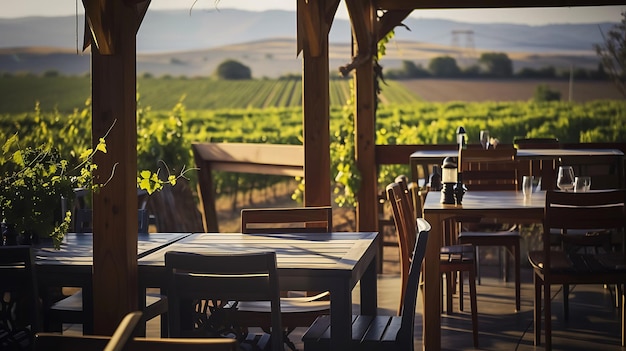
(19,94)
(478,90)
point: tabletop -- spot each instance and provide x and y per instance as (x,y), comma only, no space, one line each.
(437,155)
(335,262)
(306,261)
(77,248)
(491,204)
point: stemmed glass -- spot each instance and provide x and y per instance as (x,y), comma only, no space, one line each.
(565,178)
(484,138)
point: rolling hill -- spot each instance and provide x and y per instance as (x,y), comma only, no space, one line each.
(179,43)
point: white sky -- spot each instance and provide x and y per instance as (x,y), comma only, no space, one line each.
(534,16)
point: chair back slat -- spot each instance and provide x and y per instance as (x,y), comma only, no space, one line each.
(232,277)
(287,220)
(489,169)
(406,231)
(592,210)
(405,335)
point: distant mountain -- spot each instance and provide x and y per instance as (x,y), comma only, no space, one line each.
(180,30)
(179,43)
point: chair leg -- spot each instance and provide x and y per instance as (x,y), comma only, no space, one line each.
(518,284)
(537,310)
(460,283)
(477,260)
(547,309)
(472,287)
(504,263)
(622,303)
(449,292)
(566,302)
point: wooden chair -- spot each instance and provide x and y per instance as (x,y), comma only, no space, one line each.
(494,169)
(222,279)
(569,211)
(287,220)
(20,309)
(298,309)
(122,340)
(453,259)
(72,309)
(380,332)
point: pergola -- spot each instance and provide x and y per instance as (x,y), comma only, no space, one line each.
(111,31)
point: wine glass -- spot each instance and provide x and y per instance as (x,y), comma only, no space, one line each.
(484,138)
(565,178)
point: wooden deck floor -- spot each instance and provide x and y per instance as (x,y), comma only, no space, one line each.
(594,323)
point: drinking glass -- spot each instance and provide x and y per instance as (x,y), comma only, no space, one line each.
(527,186)
(565,178)
(582,184)
(484,139)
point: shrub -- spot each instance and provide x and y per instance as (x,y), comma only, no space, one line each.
(543,93)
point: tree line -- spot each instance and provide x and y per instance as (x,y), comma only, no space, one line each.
(489,65)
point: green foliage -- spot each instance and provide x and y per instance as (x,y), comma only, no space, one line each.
(231,69)
(444,66)
(163,144)
(33,179)
(65,94)
(613,54)
(543,93)
(342,157)
(497,64)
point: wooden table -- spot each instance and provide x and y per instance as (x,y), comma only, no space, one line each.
(318,261)
(426,158)
(71,266)
(498,204)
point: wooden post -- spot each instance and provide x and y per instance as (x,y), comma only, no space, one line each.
(115,205)
(314,21)
(363,17)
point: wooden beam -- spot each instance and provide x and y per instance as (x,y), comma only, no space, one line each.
(390,20)
(98,18)
(365,140)
(97,31)
(309,27)
(362,35)
(285,160)
(463,4)
(115,205)
(314,21)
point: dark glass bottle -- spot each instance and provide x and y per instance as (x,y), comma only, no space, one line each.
(435,179)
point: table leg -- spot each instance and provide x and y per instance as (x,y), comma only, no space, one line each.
(341,314)
(431,320)
(369,292)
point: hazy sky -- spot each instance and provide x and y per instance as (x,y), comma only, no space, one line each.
(535,16)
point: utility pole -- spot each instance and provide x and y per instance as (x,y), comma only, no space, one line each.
(469,50)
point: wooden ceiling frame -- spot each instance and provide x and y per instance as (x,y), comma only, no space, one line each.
(98,24)
(482,4)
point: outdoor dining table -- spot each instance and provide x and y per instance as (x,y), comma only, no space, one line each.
(72,264)
(333,262)
(425,158)
(306,261)
(489,204)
